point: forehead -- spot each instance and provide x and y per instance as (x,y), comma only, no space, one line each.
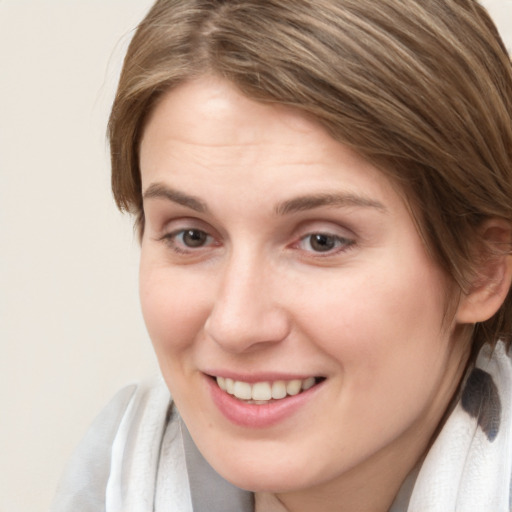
(212,112)
(209,123)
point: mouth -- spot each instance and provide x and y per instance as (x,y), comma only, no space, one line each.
(265,392)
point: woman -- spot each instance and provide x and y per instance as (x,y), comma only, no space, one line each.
(322,191)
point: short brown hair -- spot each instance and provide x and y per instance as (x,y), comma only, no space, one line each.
(421,88)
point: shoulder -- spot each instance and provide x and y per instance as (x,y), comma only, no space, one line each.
(85,478)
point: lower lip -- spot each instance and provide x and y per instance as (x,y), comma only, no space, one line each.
(248,415)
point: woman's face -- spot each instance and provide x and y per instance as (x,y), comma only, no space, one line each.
(277,258)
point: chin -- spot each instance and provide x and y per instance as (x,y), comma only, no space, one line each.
(254,473)
(272,481)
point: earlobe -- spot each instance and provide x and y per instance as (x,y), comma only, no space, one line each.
(493,276)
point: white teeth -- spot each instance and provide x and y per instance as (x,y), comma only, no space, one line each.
(221,381)
(293,387)
(278,389)
(308,383)
(230,386)
(242,390)
(262,392)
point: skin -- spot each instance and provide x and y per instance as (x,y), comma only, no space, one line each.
(256,295)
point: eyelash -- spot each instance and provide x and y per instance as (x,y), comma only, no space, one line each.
(335,244)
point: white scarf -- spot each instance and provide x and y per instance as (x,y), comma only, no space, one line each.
(469,467)
(153,465)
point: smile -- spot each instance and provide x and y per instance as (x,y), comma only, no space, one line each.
(253,403)
(261,393)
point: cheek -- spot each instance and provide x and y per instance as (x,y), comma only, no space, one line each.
(385,336)
(391,314)
(173,310)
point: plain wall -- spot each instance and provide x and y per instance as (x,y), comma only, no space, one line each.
(71,332)
(70,329)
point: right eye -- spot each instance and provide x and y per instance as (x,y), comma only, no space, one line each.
(192,237)
(186,240)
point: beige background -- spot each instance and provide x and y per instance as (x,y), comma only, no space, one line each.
(70,328)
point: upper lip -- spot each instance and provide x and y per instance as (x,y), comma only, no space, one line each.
(260,376)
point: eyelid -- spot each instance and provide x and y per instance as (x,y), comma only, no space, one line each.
(183,223)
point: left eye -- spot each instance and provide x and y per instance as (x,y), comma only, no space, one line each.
(323,242)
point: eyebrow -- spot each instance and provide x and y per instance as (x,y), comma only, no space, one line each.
(309,202)
(160,191)
(297,204)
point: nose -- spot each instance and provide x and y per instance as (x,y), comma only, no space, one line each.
(247,313)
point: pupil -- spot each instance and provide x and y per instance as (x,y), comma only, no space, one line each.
(322,243)
(194,238)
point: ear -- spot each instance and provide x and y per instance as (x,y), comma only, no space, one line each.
(493,273)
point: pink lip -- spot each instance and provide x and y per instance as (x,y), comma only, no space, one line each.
(259,377)
(258,416)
